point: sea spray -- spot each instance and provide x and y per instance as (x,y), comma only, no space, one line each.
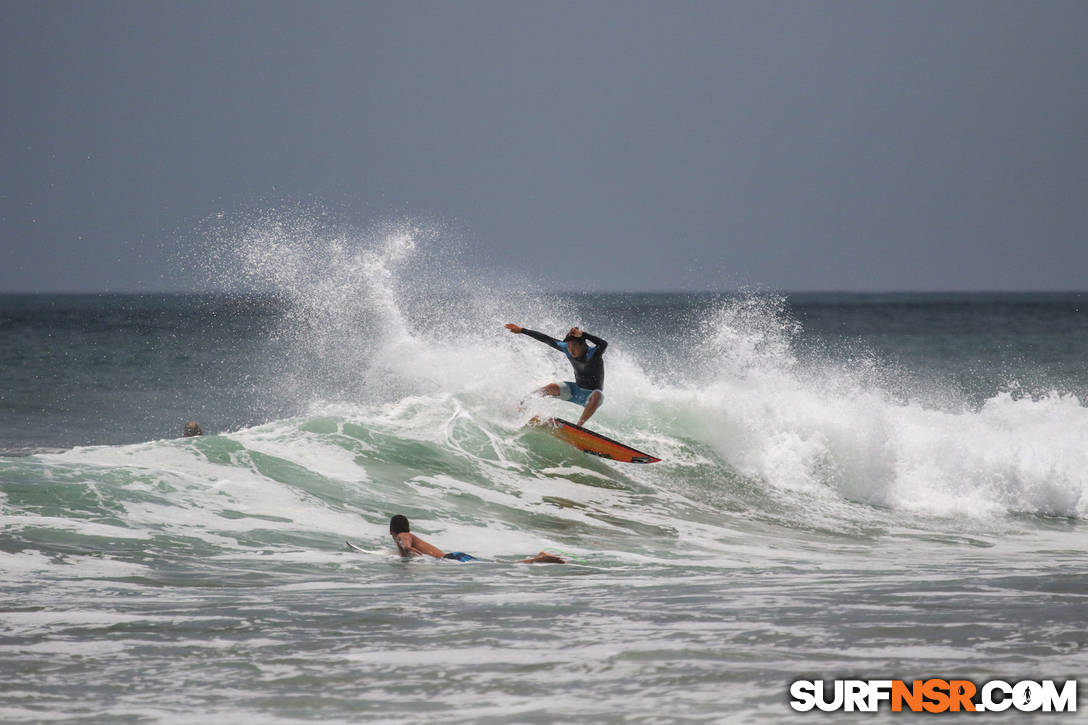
(379,316)
(816,424)
(380,313)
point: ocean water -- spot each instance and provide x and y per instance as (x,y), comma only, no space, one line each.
(869,486)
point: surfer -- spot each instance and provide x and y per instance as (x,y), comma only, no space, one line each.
(411,545)
(587,388)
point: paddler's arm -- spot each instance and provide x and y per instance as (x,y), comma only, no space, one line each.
(410,544)
(550,341)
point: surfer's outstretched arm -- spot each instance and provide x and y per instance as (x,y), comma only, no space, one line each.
(547,340)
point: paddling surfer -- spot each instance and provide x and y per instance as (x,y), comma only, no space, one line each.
(408,544)
(587,388)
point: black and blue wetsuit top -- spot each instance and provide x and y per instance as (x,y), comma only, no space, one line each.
(588,369)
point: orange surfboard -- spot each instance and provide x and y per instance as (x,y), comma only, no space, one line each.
(592,443)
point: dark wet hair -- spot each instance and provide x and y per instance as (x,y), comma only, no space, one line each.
(568,338)
(398,524)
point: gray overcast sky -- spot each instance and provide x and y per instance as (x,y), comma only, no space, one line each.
(612,145)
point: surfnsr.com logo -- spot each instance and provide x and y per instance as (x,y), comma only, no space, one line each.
(933,695)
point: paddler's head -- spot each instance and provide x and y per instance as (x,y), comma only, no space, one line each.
(398,524)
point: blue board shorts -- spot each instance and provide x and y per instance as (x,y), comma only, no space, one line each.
(573,393)
(460,556)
